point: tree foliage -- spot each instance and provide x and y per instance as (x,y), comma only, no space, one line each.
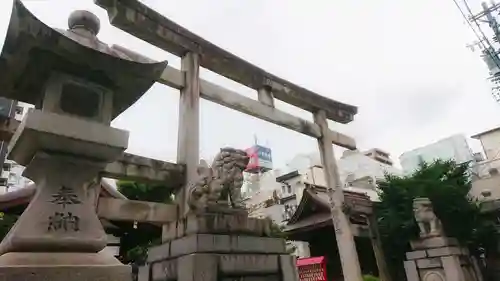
(447,185)
(370,278)
(7,221)
(137,238)
(145,192)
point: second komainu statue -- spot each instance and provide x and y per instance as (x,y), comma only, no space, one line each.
(428,223)
(220,184)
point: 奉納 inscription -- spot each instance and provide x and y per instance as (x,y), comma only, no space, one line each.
(65,196)
(64,221)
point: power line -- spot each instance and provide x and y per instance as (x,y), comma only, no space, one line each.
(477,24)
(481,40)
(491,21)
(483,13)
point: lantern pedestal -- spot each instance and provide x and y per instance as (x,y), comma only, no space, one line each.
(62,266)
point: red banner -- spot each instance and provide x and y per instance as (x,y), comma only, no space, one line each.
(312,269)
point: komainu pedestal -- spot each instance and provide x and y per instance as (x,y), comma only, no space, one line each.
(217,240)
(436,257)
(217,246)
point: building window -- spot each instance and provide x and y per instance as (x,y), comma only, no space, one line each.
(286,188)
(19,110)
(12,178)
(289,211)
(6,167)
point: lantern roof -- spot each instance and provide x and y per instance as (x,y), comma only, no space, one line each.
(33,50)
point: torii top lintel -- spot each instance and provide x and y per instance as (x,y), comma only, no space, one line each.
(145,23)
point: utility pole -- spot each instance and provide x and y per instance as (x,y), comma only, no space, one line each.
(491,20)
(489,52)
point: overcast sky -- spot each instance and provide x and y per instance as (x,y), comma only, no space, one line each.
(404,63)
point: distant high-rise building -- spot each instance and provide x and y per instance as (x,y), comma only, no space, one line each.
(452,148)
(354,165)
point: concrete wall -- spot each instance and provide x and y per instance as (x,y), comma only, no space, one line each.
(491,144)
(491,184)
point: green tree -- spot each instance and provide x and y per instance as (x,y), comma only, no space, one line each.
(145,192)
(370,278)
(447,185)
(136,238)
(6,223)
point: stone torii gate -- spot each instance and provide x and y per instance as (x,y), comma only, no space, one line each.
(195,52)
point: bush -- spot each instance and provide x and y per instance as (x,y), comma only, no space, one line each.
(370,278)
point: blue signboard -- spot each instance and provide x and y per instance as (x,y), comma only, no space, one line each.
(265,157)
(264,153)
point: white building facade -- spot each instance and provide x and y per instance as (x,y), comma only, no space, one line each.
(353,165)
(358,172)
(279,200)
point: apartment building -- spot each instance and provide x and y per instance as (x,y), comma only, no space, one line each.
(11,174)
(486,176)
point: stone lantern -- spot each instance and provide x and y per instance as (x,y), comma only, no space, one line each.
(78,85)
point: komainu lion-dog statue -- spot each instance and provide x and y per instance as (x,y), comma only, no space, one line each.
(428,223)
(220,184)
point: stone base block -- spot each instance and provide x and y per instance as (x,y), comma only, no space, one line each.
(216,223)
(219,246)
(437,252)
(217,243)
(214,267)
(433,242)
(444,264)
(62,267)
